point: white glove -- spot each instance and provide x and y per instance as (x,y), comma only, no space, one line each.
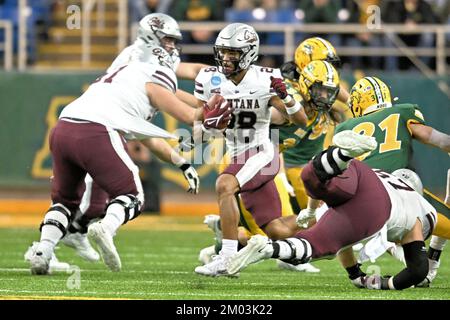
(377,282)
(304,216)
(359,282)
(192,178)
(287,185)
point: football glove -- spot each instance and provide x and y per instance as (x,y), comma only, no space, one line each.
(280,88)
(304,216)
(191,175)
(377,282)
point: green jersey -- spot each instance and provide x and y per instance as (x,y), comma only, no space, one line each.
(390,128)
(300,144)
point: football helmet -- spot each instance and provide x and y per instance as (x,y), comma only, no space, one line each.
(156,29)
(237,37)
(411,178)
(319,84)
(367,95)
(313,49)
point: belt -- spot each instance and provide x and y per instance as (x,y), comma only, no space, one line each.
(75,120)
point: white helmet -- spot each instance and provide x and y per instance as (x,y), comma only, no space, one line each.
(411,178)
(156,26)
(237,37)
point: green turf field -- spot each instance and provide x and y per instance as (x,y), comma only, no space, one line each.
(159,264)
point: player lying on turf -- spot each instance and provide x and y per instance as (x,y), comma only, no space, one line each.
(394,127)
(361,202)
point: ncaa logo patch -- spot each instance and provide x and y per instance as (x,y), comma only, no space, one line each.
(215,81)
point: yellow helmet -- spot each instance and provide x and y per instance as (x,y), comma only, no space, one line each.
(367,95)
(313,49)
(319,84)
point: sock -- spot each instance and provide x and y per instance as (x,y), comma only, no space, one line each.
(355,271)
(229,247)
(341,157)
(80,225)
(330,163)
(55,224)
(292,249)
(437,244)
(113,220)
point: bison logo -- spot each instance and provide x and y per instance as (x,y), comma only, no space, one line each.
(156,23)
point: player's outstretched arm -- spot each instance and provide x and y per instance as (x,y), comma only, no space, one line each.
(189,71)
(164,151)
(166,101)
(431,136)
(187,98)
(284,103)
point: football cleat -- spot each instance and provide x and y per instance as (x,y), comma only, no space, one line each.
(216,268)
(39,258)
(353,143)
(80,243)
(213,222)
(206,254)
(104,241)
(258,248)
(305,267)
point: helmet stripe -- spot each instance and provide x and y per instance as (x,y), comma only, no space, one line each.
(379,86)
(330,75)
(330,51)
(377,89)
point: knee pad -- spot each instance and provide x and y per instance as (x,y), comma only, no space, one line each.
(129,204)
(59,216)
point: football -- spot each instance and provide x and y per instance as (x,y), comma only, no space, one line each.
(214,110)
(216,101)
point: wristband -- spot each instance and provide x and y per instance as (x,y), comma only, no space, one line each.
(180,163)
(287,99)
(184,166)
(296,107)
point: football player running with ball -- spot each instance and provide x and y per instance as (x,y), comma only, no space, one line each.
(251,90)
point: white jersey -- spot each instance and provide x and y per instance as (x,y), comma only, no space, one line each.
(249,127)
(143,52)
(119,99)
(406,207)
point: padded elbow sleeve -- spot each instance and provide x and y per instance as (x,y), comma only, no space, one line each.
(416,265)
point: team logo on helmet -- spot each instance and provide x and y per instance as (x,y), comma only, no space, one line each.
(250,36)
(156,23)
(308,49)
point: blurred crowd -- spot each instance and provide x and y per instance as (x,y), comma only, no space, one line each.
(408,12)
